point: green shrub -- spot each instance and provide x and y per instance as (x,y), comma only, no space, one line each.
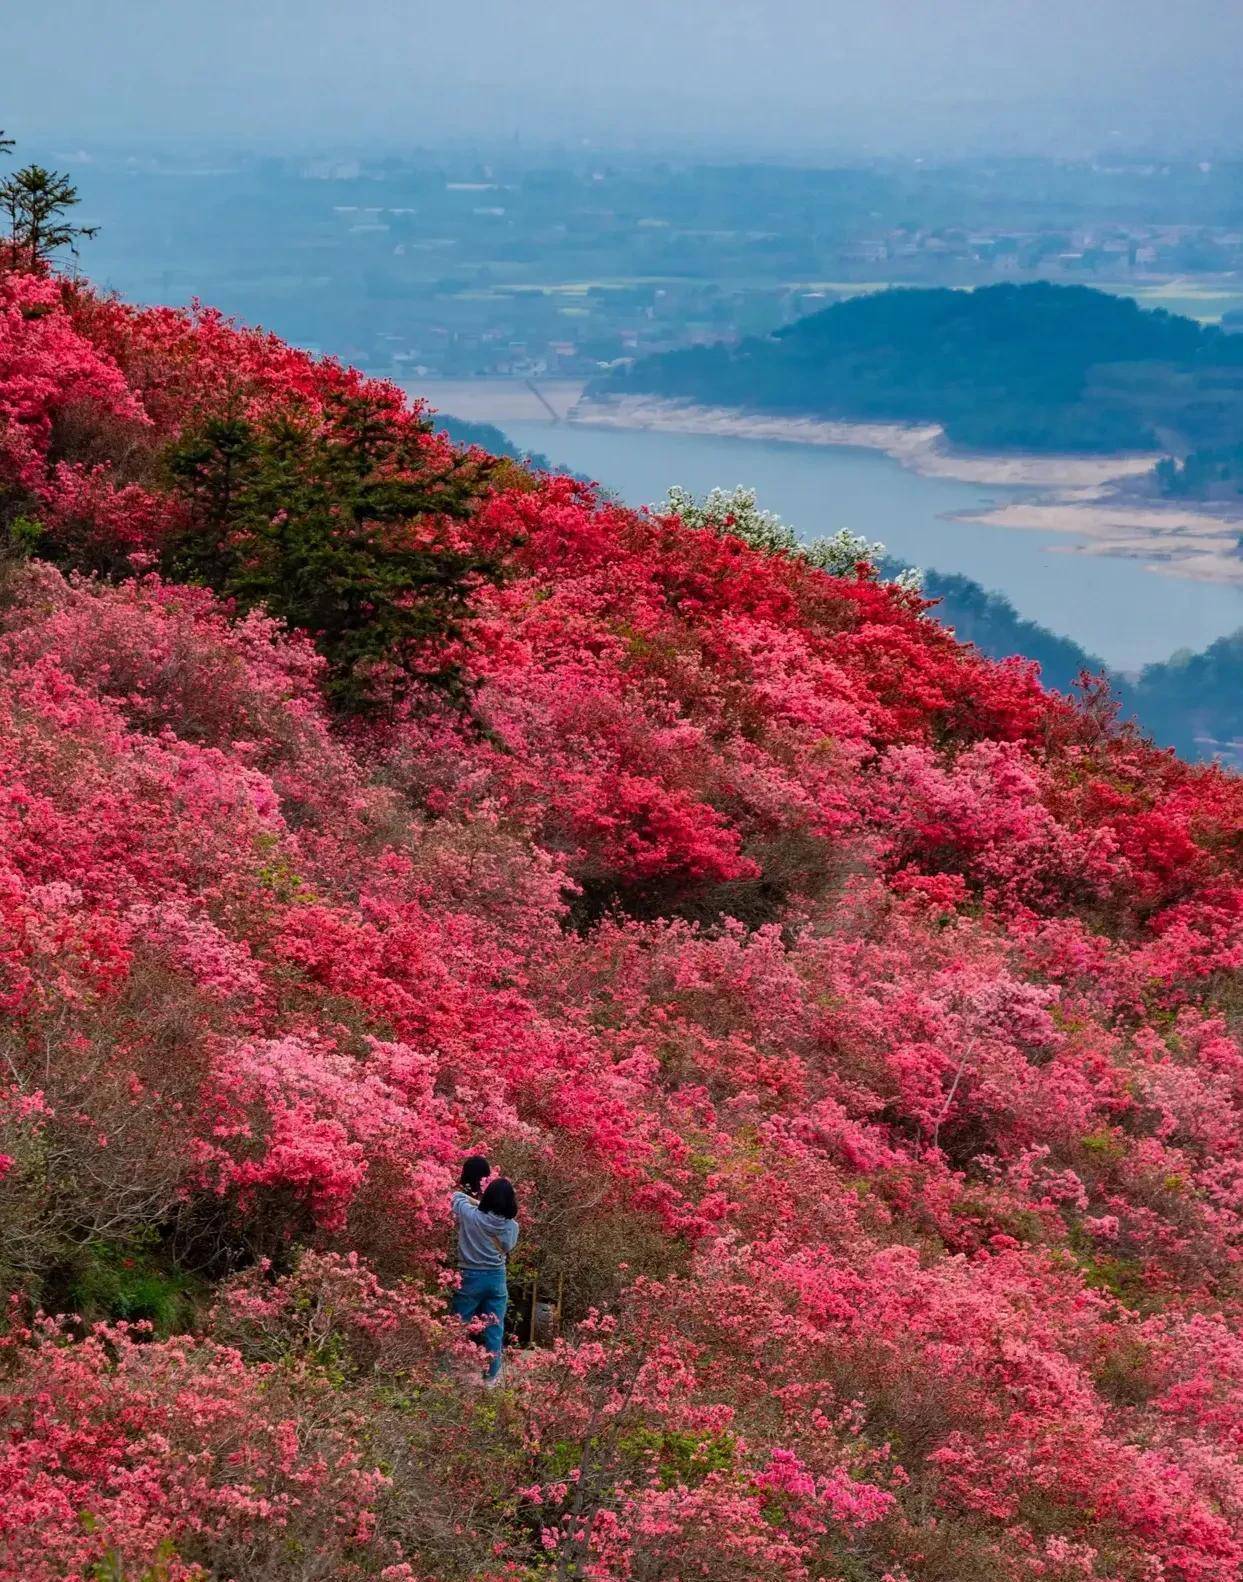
(125,1283)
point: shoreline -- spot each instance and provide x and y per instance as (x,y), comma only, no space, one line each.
(1092,501)
(919,447)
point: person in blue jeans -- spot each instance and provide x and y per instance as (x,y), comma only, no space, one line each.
(487,1232)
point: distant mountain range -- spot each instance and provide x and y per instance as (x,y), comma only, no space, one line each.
(1035,367)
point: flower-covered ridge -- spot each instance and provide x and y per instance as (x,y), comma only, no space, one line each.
(858,1020)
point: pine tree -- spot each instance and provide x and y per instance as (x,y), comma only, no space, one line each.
(36,202)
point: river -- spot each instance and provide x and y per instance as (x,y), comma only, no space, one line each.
(1112,606)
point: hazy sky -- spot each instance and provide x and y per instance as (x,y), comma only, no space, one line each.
(770,74)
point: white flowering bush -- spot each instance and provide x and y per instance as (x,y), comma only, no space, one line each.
(737,511)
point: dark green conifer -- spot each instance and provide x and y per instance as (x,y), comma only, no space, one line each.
(35,203)
(338,525)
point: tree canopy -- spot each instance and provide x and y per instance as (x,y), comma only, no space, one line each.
(334,522)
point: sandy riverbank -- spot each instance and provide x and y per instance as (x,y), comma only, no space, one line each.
(919,446)
(1166,536)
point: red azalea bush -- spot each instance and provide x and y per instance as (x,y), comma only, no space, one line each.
(859,1020)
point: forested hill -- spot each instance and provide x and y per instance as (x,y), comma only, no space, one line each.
(1030,367)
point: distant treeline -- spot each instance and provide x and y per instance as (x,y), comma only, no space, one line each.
(1203,475)
(1191,702)
(1033,367)
(992,623)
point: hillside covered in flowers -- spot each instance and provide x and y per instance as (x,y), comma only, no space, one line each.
(858,1021)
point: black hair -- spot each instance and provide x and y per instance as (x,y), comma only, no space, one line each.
(475,1170)
(500,1198)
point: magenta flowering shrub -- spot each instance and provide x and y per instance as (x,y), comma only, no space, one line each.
(859,1021)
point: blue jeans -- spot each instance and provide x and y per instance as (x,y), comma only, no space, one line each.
(485,1294)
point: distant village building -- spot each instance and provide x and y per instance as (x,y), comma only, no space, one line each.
(865,252)
(332,170)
